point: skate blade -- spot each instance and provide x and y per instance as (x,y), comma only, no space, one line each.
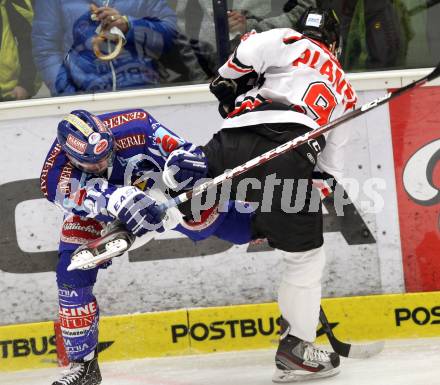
(85,260)
(286,376)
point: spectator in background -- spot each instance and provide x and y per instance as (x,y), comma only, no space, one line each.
(262,15)
(433,29)
(195,19)
(64,32)
(375,33)
(17,69)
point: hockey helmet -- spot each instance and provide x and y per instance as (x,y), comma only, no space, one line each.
(87,142)
(322,25)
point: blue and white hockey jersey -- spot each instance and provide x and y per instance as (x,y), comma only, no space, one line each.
(142,147)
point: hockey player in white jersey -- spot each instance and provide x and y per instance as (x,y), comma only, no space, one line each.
(297,84)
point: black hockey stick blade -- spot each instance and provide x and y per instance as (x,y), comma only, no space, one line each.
(435,73)
(345,349)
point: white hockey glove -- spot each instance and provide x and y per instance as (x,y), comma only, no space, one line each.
(138,212)
(183,169)
(116,240)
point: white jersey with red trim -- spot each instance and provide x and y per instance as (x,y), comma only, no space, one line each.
(299,72)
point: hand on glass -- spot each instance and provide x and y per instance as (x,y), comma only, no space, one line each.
(20,93)
(237,22)
(110,17)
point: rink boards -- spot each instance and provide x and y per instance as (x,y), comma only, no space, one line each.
(393,250)
(216,329)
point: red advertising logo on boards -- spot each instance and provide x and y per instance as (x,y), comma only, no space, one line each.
(415,125)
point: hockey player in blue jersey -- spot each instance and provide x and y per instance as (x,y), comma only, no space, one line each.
(101,170)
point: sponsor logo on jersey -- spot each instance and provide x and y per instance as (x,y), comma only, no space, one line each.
(79,317)
(64,182)
(116,121)
(66,293)
(101,147)
(79,230)
(75,349)
(131,141)
(48,164)
(76,144)
(75,333)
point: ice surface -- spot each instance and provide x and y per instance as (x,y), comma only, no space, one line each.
(409,362)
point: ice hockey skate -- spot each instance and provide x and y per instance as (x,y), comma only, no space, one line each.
(114,243)
(82,373)
(298,360)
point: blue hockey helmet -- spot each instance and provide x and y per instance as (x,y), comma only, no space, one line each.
(87,142)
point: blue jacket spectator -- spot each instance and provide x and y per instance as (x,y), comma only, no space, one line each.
(62,45)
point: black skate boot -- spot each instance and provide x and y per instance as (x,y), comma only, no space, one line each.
(82,373)
(298,360)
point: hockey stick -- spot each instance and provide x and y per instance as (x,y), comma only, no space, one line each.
(298,141)
(345,349)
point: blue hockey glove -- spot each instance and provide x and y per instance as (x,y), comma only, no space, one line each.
(138,212)
(183,169)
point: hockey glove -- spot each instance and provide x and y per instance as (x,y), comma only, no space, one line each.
(136,210)
(183,169)
(225,90)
